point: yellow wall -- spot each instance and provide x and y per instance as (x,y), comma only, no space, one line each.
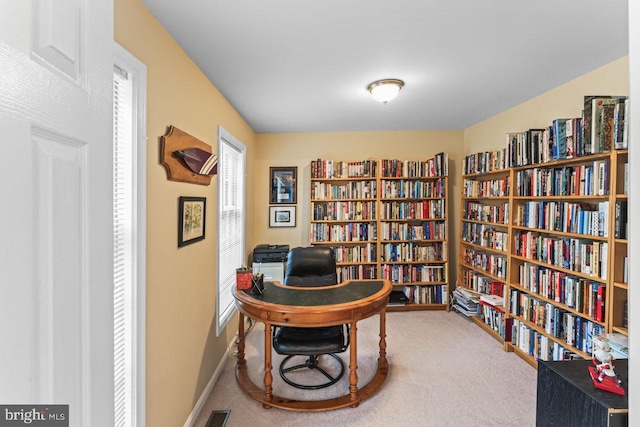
(182,348)
(565,101)
(298,149)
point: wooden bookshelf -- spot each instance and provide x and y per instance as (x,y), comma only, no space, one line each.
(399,209)
(484,236)
(618,289)
(567,245)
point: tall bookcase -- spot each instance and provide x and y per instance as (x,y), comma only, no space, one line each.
(619,266)
(564,192)
(344,215)
(386,219)
(560,256)
(484,238)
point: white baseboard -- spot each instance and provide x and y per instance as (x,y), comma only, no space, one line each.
(195,412)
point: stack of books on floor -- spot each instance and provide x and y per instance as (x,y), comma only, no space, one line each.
(466,301)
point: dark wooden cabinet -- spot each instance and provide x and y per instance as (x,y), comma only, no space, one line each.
(567,396)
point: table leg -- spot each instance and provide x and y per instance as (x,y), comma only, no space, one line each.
(353,366)
(268,378)
(382,361)
(240,356)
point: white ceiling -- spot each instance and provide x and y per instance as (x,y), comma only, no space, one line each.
(300,66)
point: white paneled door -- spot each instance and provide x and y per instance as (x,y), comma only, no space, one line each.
(56,250)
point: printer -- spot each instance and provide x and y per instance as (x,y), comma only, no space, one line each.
(270,253)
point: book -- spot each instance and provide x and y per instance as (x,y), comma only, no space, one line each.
(560,136)
(620,220)
(592,121)
(619,142)
(494,300)
(625,179)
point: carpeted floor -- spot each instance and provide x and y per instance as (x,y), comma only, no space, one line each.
(443,371)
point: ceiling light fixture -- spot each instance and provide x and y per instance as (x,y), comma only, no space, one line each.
(385,90)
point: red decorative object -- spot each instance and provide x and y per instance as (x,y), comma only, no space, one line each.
(607,382)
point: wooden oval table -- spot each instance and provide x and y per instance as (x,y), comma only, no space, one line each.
(306,307)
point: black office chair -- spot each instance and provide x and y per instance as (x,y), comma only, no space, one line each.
(312,266)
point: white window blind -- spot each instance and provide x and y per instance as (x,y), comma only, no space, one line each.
(122,235)
(231,222)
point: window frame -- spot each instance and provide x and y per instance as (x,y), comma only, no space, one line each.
(229,260)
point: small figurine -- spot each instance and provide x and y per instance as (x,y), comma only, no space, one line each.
(603,374)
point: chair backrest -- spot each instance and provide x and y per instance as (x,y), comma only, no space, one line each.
(311,266)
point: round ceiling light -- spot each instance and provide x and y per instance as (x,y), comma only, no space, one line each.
(385,90)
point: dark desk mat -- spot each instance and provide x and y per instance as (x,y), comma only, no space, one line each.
(353,291)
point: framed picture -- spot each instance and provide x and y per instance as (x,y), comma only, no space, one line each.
(191,220)
(283,183)
(282,216)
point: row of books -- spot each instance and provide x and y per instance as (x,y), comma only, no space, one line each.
(437,165)
(579,218)
(489,213)
(344,211)
(351,272)
(580,180)
(485,235)
(486,188)
(403,273)
(605,122)
(541,347)
(556,321)
(360,253)
(339,169)
(407,189)
(580,294)
(482,284)
(351,190)
(410,252)
(352,232)
(487,161)
(404,231)
(488,262)
(421,294)
(602,127)
(579,255)
(494,318)
(426,209)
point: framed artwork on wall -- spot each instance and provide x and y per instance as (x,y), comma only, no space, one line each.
(283,182)
(282,216)
(191,220)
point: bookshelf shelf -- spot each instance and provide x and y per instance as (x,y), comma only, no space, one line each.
(477,320)
(541,331)
(558,268)
(561,233)
(565,307)
(406,208)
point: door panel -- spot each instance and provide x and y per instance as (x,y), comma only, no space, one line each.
(56,280)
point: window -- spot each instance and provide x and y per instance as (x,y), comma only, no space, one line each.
(231,222)
(129,236)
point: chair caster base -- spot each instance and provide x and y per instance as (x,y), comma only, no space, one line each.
(311,363)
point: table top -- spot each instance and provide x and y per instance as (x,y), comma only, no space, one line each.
(575,372)
(315,306)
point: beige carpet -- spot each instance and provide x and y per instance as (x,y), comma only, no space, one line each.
(443,371)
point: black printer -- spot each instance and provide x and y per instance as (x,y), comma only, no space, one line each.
(270,253)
